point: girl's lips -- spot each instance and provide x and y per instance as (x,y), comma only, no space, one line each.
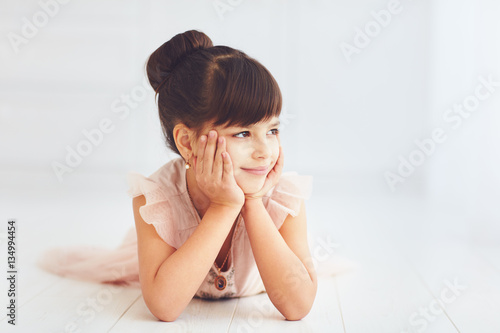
(260,171)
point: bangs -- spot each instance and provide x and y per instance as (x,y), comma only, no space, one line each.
(244,92)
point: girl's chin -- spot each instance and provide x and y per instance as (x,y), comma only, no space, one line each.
(250,187)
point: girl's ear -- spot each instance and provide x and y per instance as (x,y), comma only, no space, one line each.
(183,136)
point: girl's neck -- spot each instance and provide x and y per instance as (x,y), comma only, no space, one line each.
(200,200)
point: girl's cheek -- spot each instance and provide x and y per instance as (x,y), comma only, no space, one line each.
(233,152)
(276,149)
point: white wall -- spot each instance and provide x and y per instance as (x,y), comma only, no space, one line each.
(464,172)
(344,117)
(348,120)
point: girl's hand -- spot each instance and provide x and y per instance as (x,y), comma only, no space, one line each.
(214,172)
(271,180)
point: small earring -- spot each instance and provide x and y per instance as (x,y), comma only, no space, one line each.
(188,165)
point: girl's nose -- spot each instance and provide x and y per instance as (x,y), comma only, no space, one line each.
(262,150)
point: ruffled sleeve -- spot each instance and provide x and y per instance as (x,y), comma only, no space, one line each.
(157,210)
(287,196)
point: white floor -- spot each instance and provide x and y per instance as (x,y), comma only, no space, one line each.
(400,265)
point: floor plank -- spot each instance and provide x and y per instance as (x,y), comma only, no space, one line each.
(465,285)
(404,263)
(199,316)
(258,314)
(31,283)
(490,254)
(75,306)
(384,295)
(326,315)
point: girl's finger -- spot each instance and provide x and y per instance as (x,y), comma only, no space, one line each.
(221,148)
(208,157)
(228,166)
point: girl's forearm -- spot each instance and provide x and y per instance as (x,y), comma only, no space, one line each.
(180,275)
(286,279)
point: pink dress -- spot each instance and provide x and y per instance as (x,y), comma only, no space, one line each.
(169,209)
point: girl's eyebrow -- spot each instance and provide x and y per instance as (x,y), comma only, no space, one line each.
(275,124)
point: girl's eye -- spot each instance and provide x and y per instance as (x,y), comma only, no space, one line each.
(242,134)
(274,131)
(246,134)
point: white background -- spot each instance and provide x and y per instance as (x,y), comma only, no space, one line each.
(347,121)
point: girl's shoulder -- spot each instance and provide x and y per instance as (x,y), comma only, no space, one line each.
(167,205)
(168,179)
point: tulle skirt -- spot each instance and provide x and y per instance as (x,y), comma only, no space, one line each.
(118,266)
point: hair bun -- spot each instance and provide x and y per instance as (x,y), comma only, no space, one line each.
(163,61)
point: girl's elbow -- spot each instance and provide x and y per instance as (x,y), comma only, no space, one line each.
(298,309)
(162,309)
(165,313)
(296,313)
(167,317)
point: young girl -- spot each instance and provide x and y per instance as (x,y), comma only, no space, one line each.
(221,220)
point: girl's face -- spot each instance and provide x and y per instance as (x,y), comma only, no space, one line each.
(253,150)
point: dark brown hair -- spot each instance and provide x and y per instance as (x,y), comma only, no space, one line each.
(197,83)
